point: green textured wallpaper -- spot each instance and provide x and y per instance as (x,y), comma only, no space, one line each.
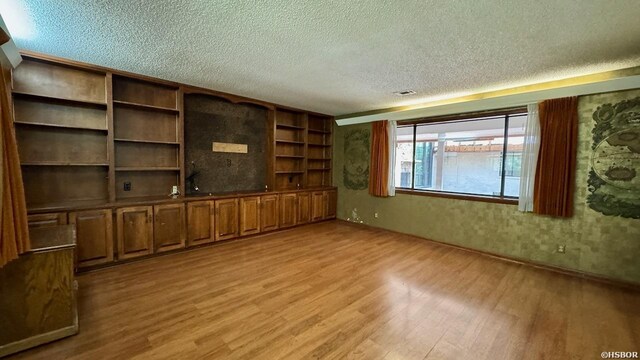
(595,243)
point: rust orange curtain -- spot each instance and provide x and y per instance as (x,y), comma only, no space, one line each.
(14,238)
(555,171)
(379,166)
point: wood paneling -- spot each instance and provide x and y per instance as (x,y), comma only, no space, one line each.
(269,212)
(146,155)
(145,183)
(169,227)
(37,296)
(249,215)
(226,219)
(288,210)
(338,291)
(304,208)
(200,222)
(94,236)
(27,110)
(139,124)
(46,185)
(143,92)
(47,220)
(61,146)
(318,205)
(59,81)
(135,231)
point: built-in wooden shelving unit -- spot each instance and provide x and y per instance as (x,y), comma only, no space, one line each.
(302,145)
(61,120)
(148,137)
(92,134)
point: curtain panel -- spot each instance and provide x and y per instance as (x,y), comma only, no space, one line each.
(555,171)
(529,159)
(380,159)
(14,235)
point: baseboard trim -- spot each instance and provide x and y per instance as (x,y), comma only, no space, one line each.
(516,260)
(28,343)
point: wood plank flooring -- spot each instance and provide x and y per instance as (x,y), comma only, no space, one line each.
(336,290)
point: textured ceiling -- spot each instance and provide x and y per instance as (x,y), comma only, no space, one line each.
(337,56)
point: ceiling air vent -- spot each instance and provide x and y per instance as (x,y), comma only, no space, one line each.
(405,92)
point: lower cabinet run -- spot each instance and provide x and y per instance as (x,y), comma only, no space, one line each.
(94,237)
(145,230)
(288,210)
(269,214)
(226,219)
(200,222)
(169,231)
(135,231)
(249,215)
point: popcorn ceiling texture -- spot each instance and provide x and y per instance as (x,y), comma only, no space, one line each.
(595,243)
(341,57)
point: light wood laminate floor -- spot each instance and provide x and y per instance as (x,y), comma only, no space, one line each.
(336,290)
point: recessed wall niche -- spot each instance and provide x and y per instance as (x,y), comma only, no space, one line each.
(209,119)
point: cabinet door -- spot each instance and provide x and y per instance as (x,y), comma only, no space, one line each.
(317,205)
(168,227)
(44,220)
(135,231)
(249,215)
(304,207)
(288,210)
(332,203)
(269,212)
(94,236)
(226,219)
(200,222)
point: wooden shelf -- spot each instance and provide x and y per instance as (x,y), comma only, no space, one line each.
(59,126)
(290,142)
(147,141)
(146,107)
(320,145)
(319,131)
(318,169)
(147,169)
(59,98)
(319,159)
(287,126)
(54,163)
(290,156)
(290,172)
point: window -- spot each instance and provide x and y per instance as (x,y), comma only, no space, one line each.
(465,155)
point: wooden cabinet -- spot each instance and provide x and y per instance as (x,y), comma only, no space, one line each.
(200,222)
(332,203)
(135,231)
(288,210)
(94,236)
(304,207)
(249,215)
(226,219)
(269,212)
(318,204)
(45,220)
(168,227)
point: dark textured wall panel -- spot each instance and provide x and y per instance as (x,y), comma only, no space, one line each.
(208,119)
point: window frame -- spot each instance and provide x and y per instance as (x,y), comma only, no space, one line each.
(506,113)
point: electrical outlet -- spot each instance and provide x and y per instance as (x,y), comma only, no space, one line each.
(561,248)
(127,186)
(375,214)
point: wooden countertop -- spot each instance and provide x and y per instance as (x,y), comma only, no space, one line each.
(155,200)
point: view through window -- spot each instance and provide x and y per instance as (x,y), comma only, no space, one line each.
(468,156)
